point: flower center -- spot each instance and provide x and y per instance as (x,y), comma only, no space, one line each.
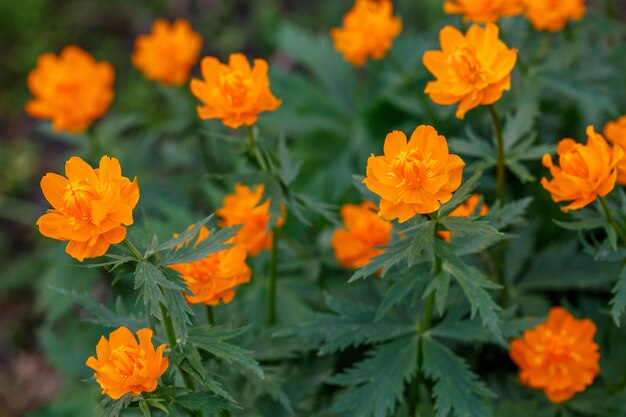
(236,87)
(558,349)
(412,168)
(468,67)
(573,162)
(127,359)
(77,199)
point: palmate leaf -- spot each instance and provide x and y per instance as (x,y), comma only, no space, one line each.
(462,226)
(618,303)
(413,278)
(393,255)
(457,388)
(462,194)
(423,240)
(379,379)
(192,250)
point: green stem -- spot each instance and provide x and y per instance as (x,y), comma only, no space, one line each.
(254,149)
(133,250)
(271,308)
(171,340)
(611,219)
(210,316)
(500,167)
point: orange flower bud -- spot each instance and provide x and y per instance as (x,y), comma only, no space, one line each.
(553,15)
(464,210)
(368,31)
(615,132)
(356,244)
(168,53)
(558,356)
(213,278)
(125,366)
(234,93)
(90,206)
(483,11)
(415,177)
(71,89)
(244,207)
(585,172)
(471,70)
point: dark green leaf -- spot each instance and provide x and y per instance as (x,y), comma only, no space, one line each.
(618,303)
(462,194)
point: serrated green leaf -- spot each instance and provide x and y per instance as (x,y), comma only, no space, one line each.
(422,240)
(462,226)
(402,287)
(113,408)
(509,214)
(204,401)
(187,234)
(192,251)
(289,168)
(462,194)
(618,302)
(394,254)
(439,285)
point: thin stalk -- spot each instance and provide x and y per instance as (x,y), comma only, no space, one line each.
(500,168)
(611,219)
(133,250)
(254,149)
(210,316)
(271,307)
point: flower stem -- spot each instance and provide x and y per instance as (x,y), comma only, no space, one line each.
(254,149)
(133,250)
(271,308)
(210,316)
(500,167)
(611,219)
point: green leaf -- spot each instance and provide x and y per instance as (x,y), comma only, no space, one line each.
(394,254)
(192,251)
(204,401)
(440,285)
(462,194)
(509,214)
(457,389)
(423,240)
(402,287)
(187,234)
(519,170)
(289,168)
(380,379)
(618,303)
(113,408)
(462,226)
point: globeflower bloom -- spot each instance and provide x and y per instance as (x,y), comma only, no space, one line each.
(71,89)
(244,207)
(615,132)
(559,356)
(168,53)
(553,15)
(234,93)
(213,278)
(466,209)
(356,243)
(470,70)
(124,366)
(585,171)
(368,31)
(90,206)
(483,11)
(415,177)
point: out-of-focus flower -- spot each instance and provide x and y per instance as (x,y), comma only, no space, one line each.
(168,53)
(368,31)
(244,207)
(585,171)
(553,15)
(472,69)
(124,366)
(615,132)
(356,243)
(214,278)
(415,177)
(466,209)
(483,11)
(71,90)
(234,93)
(559,356)
(90,206)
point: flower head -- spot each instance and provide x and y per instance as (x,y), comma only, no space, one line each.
(168,53)
(471,70)
(483,11)
(466,209)
(356,244)
(90,207)
(415,177)
(213,278)
(558,356)
(615,132)
(553,15)
(368,31)
(585,171)
(244,207)
(124,366)
(234,93)
(71,89)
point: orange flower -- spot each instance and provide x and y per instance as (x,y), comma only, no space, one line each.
(483,11)
(465,210)
(368,31)
(244,207)
(123,365)
(234,93)
(585,172)
(558,356)
(90,206)
(415,177)
(168,53)
(356,244)
(71,89)
(553,15)
(615,132)
(213,278)
(470,70)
